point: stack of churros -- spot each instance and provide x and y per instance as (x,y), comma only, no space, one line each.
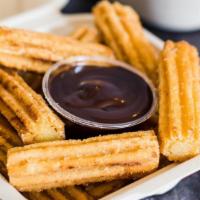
(58,169)
(27,112)
(121,29)
(64,163)
(179,108)
(31,51)
(9,139)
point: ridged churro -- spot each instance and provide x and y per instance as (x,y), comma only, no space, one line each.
(86,34)
(27,112)
(52,42)
(24,63)
(179,106)
(57,164)
(9,138)
(32,48)
(122,31)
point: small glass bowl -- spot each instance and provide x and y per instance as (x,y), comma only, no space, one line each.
(97,61)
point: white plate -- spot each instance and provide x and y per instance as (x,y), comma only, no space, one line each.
(48,19)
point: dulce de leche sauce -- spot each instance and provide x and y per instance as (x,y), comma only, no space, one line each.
(101,94)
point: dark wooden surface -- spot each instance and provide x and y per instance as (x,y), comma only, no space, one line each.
(189,188)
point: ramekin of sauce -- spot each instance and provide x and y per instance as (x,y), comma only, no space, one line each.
(101,93)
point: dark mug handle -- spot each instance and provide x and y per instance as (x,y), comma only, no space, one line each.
(78,6)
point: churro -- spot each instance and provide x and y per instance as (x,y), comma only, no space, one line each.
(23,63)
(27,112)
(122,31)
(86,34)
(51,42)
(63,163)
(179,106)
(32,48)
(51,54)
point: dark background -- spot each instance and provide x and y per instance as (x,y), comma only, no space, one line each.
(189,188)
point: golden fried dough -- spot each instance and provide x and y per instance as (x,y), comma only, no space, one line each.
(179,104)
(122,31)
(64,163)
(86,34)
(24,63)
(43,46)
(27,112)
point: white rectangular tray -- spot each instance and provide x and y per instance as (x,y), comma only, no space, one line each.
(48,19)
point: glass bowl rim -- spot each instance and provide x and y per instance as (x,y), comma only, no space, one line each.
(92,124)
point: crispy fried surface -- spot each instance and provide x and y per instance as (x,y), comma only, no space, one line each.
(50,41)
(31,37)
(42,46)
(24,63)
(86,34)
(62,163)
(122,31)
(179,106)
(27,112)
(8,139)
(51,53)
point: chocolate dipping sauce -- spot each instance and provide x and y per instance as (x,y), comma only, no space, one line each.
(101,94)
